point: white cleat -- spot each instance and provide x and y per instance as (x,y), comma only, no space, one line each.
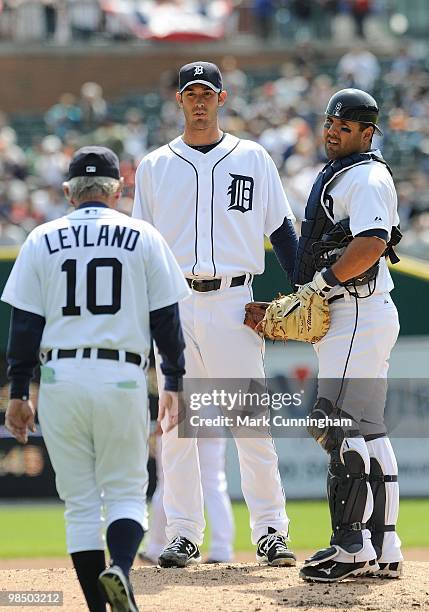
(389,570)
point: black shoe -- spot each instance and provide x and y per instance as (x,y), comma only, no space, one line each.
(389,570)
(322,567)
(117,590)
(272,550)
(179,553)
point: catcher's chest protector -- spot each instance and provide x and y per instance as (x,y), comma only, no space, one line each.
(319,214)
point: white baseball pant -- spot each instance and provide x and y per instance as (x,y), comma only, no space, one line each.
(95,422)
(219,346)
(376,333)
(211,452)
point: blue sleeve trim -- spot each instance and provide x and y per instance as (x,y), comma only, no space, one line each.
(25,334)
(285,246)
(378,233)
(167,332)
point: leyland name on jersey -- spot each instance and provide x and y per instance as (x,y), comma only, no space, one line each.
(79,236)
(80,271)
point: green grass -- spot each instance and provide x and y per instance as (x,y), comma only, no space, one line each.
(310,524)
(32,531)
(38,530)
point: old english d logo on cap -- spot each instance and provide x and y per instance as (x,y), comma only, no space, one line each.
(204,73)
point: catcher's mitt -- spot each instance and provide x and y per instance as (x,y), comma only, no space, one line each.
(291,317)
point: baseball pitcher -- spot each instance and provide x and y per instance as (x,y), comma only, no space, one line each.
(213,196)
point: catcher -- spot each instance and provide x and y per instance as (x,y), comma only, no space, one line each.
(348,232)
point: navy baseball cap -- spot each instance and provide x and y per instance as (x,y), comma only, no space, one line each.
(204,73)
(94,161)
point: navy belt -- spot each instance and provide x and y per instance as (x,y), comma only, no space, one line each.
(334,298)
(213,284)
(101,354)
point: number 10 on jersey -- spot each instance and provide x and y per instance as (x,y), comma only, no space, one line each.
(70,267)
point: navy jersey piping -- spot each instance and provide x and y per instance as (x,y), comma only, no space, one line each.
(196,205)
(212,202)
(328,214)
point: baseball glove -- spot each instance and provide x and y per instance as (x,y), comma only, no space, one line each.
(290,317)
(254,312)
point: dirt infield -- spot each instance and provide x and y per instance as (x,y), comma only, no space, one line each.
(411,554)
(238,587)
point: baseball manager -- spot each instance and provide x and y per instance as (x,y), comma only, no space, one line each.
(87,291)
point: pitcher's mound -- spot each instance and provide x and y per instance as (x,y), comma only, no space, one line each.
(237,587)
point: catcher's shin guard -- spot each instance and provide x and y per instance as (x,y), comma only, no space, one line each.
(383,479)
(349,494)
(323,429)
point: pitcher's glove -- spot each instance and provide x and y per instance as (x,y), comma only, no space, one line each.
(254,314)
(304,317)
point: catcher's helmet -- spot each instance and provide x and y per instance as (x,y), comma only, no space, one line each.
(354,105)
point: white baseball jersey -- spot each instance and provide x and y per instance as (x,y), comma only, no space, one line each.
(366,195)
(212,208)
(128,267)
(361,336)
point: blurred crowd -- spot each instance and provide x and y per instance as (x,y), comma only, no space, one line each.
(315,18)
(50,20)
(64,21)
(282,111)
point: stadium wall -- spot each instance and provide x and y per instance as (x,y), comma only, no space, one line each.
(410,276)
(36,77)
(36,82)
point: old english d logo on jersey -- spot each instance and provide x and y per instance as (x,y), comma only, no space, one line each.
(241,193)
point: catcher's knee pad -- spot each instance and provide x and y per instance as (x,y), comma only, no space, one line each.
(383,479)
(347,486)
(323,425)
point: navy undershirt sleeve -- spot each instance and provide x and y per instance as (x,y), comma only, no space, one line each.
(285,245)
(167,332)
(378,233)
(25,334)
